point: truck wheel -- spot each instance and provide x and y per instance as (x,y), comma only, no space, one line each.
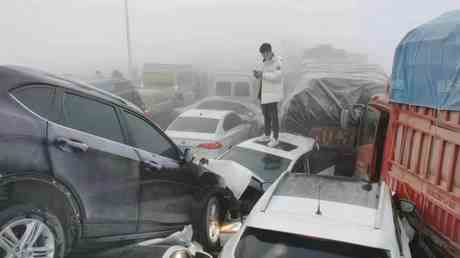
(207,228)
(27,231)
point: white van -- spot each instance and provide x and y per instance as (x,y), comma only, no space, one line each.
(239,86)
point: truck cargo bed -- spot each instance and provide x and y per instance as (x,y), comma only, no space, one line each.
(422,164)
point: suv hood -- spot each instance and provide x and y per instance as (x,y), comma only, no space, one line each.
(237,177)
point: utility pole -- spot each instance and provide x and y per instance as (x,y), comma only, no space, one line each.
(128,42)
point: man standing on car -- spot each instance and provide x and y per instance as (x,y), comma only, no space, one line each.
(270,92)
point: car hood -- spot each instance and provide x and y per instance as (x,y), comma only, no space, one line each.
(237,177)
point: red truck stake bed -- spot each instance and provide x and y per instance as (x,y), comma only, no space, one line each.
(421,162)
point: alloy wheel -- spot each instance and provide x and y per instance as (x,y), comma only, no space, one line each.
(27,238)
(213,221)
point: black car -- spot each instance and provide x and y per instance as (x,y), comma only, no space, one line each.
(122,88)
(79,166)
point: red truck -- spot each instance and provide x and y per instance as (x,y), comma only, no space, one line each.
(417,141)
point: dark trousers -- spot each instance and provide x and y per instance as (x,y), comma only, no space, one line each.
(270,111)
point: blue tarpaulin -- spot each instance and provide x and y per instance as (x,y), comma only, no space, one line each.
(426,69)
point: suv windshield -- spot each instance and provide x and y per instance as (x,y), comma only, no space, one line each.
(272,244)
(194,124)
(266,166)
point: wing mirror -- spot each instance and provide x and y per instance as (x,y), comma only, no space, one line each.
(406,206)
(188,155)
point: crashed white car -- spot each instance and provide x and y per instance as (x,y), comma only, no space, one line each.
(248,111)
(251,167)
(322,217)
(209,133)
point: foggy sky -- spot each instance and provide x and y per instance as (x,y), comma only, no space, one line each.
(80,36)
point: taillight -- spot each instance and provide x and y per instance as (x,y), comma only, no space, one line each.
(211,145)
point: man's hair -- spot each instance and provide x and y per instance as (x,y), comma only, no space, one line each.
(265,47)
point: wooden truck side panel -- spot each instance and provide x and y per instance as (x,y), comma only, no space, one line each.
(421,163)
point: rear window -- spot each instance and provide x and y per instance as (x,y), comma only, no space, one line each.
(265,243)
(223,88)
(194,124)
(242,89)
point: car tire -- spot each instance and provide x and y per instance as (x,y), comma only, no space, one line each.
(207,224)
(46,234)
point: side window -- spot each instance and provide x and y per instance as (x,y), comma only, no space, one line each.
(92,117)
(231,121)
(322,159)
(223,88)
(148,138)
(300,165)
(370,125)
(242,89)
(39,99)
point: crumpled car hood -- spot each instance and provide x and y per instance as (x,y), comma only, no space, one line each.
(237,177)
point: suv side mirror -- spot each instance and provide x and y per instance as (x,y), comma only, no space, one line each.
(188,156)
(406,206)
(352,117)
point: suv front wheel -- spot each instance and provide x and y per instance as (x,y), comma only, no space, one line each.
(27,231)
(207,228)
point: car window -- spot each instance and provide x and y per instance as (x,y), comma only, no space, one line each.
(194,124)
(223,88)
(242,89)
(266,243)
(266,166)
(300,166)
(148,138)
(91,116)
(231,121)
(322,159)
(39,99)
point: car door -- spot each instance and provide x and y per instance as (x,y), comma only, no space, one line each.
(235,130)
(167,184)
(87,151)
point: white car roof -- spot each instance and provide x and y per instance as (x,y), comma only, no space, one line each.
(348,213)
(216,114)
(302,144)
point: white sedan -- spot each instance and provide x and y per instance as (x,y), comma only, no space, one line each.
(209,133)
(251,167)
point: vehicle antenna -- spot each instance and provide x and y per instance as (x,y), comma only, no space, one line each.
(318,209)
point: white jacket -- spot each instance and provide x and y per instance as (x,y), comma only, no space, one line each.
(272,81)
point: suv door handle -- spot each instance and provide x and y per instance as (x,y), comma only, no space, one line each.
(152,165)
(64,143)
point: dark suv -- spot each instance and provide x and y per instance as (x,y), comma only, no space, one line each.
(79,166)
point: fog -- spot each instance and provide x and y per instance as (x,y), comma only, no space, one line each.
(81,36)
